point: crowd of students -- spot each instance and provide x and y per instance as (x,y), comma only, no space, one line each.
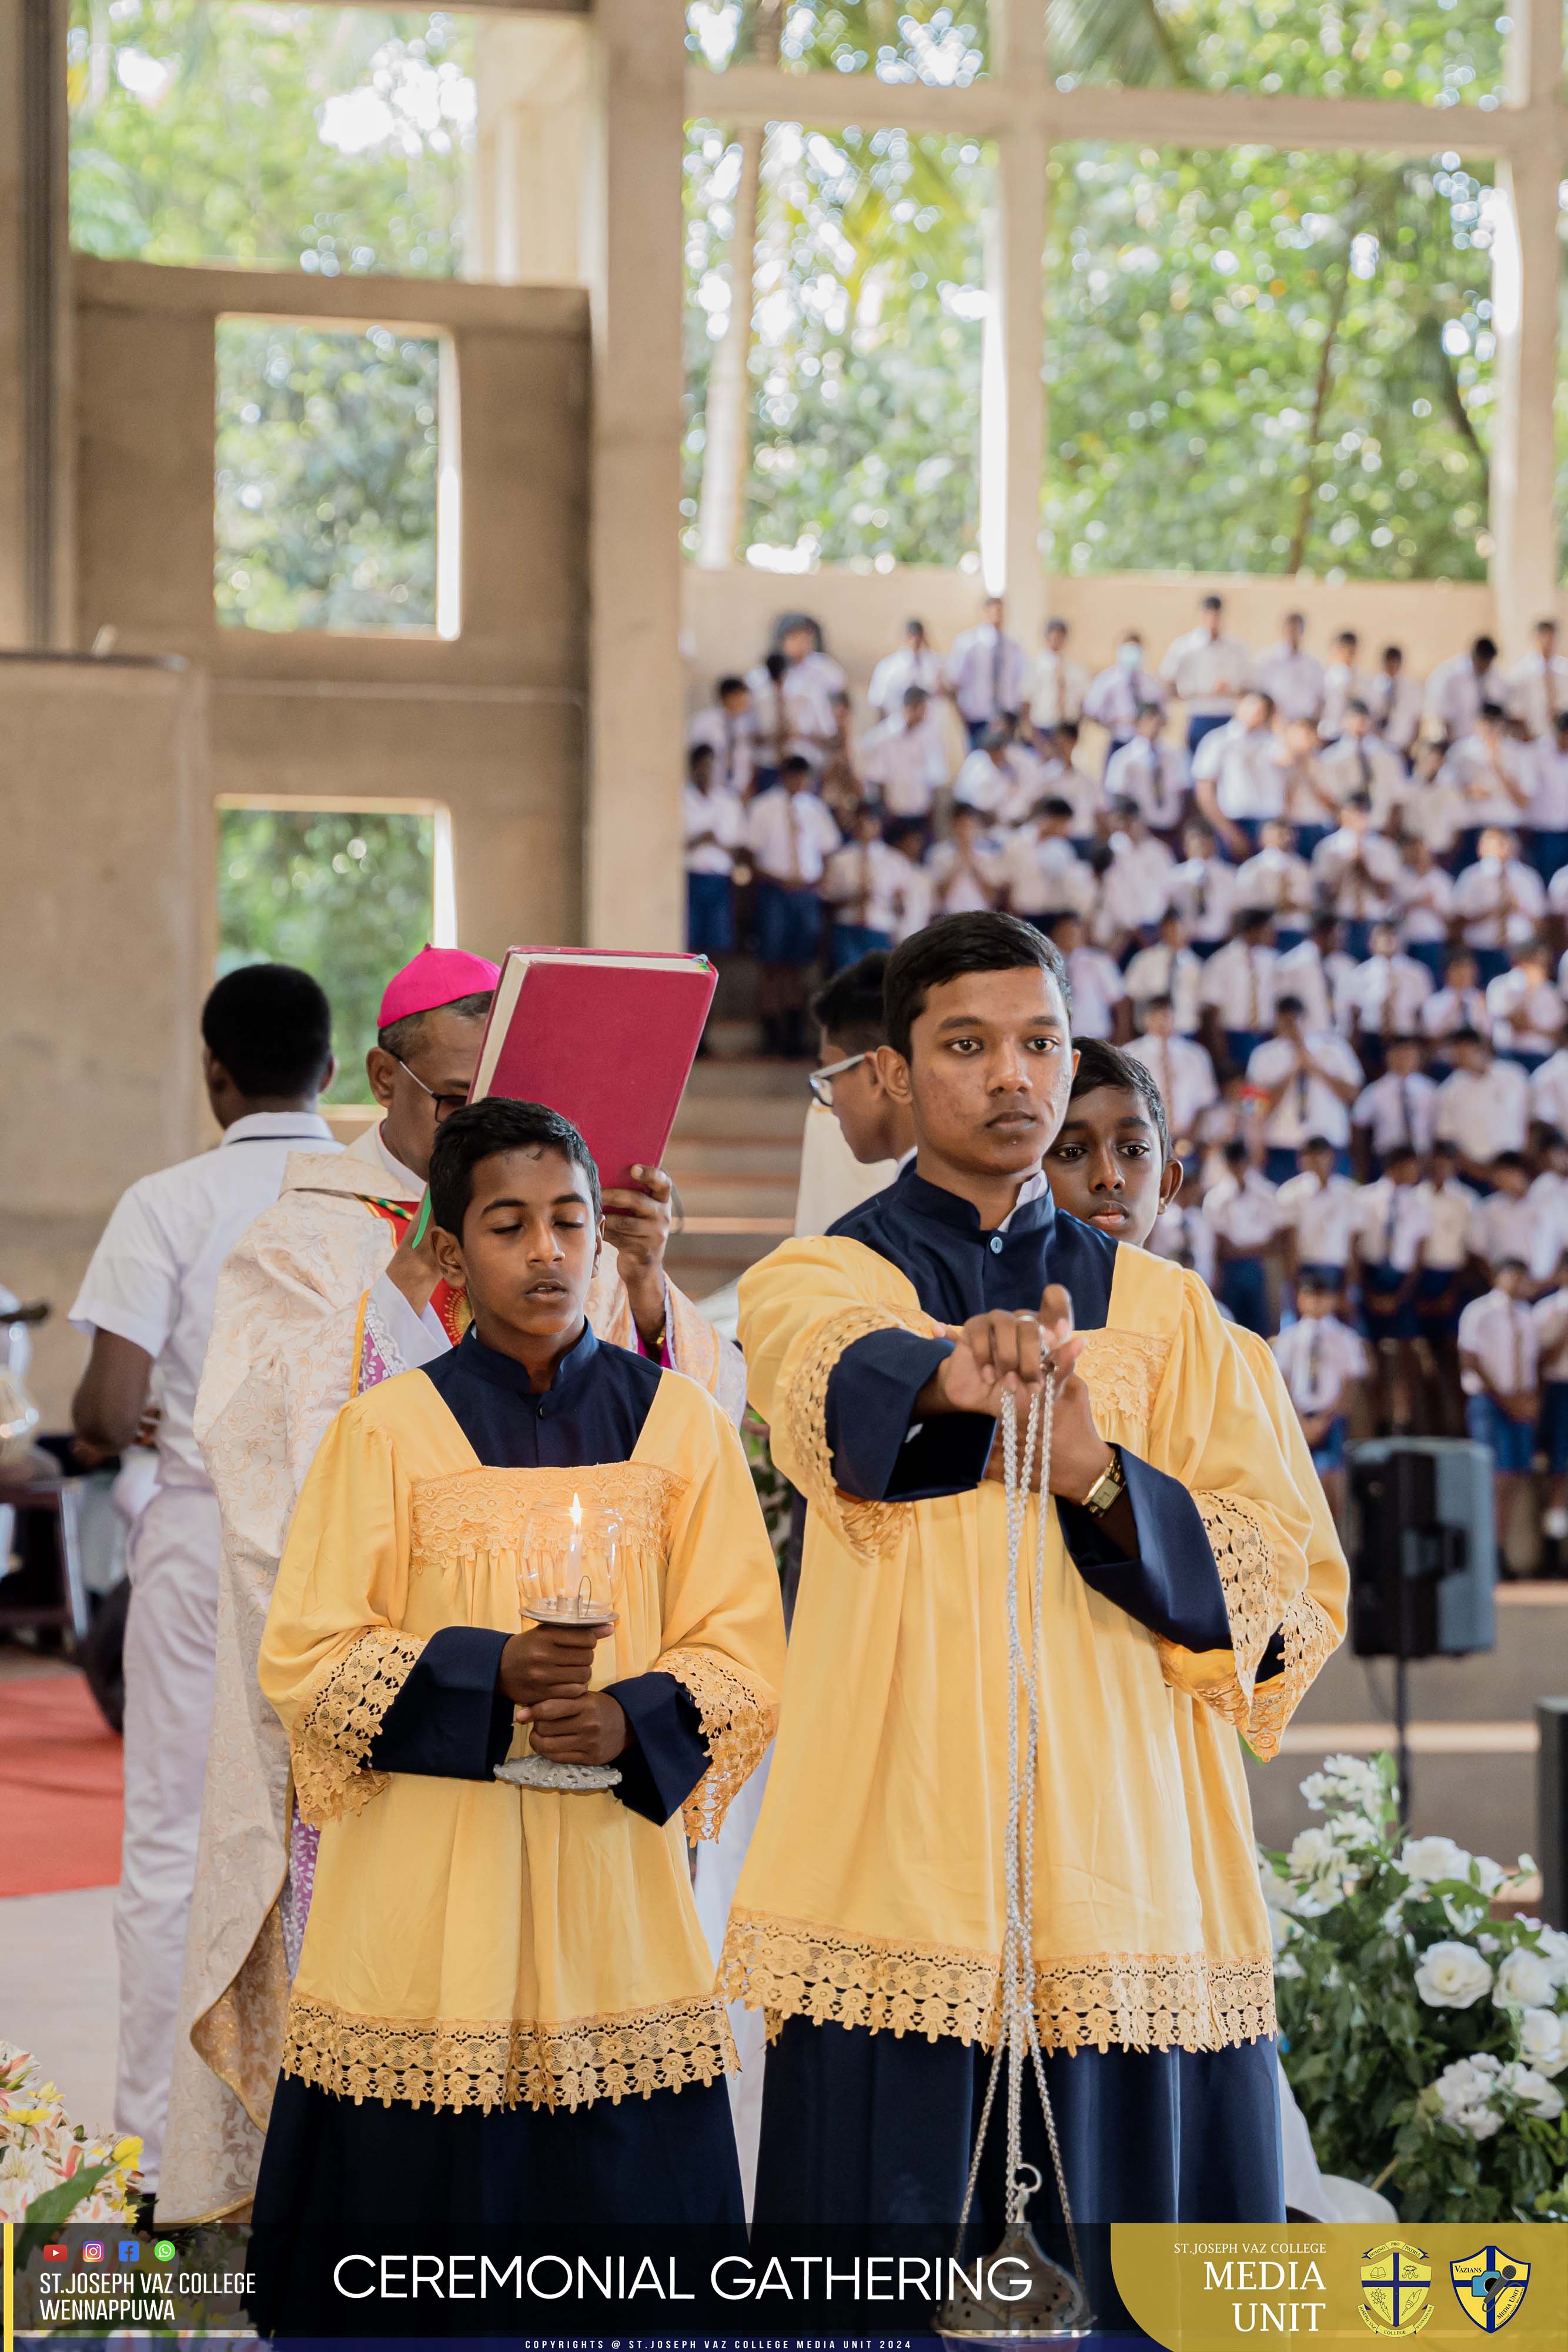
(1323,902)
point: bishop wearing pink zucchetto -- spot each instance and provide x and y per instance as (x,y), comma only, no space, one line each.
(326,1294)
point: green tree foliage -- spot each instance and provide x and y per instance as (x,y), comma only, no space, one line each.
(334,139)
(898,40)
(346,896)
(865,361)
(1435,52)
(1261,361)
(326,462)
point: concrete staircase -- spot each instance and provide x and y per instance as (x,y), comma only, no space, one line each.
(735,1158)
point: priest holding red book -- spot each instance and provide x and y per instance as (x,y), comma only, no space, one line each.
(327,1295)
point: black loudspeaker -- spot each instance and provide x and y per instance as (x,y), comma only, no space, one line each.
(1423,1549)
(1552,1808)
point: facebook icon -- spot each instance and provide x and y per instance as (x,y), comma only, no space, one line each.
(129,2250)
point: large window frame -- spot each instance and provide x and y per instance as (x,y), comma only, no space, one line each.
(1019,106)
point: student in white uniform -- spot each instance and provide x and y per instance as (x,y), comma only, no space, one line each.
(1042,873)
(1179,1067)
(727,727)
(712,823)
(1238,775)
(1549,1093)
(1056,684)
(1155,775)
(1356,872)
(1382,997)
(1309,800)
(1499,1358)
(967,871)
(916,663)
(1501,901)
(1525,1009)
(1116,695)
(1460,1003)
(146,1302)
(986,673)
(1546,813)
(1549,1316)
(1324,1362)
(1423,902)
(1308,1079)
(1000,777)
(1099,992)
(1207,670)
(1446,1260)
(1241,1211)
(1458,686)
(1482,1107)
(904,760)
(1203,889)
(1390,1242)
(1320,1216)
(912,889)
(1490,769)
(1358,761)
(1278,879)
(1289,676)
(1239,987)
(1509,1224)
(1169,969)
(1433,809)
(1345,683)
(792,705)
(1318,970)
(1394,699)
(1135,886)
(1537,688)
(1395,1112)
(860,884)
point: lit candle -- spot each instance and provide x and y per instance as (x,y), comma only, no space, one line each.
(576,1581)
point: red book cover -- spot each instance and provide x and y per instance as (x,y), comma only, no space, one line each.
(608,1040)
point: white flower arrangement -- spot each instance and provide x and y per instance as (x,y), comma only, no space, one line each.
(52,2170)
(1422,2035)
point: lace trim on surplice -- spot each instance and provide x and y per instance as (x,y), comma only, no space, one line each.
(736,1723)
(338,1730)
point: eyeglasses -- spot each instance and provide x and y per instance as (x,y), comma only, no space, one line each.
(445,1104)
(821,1081)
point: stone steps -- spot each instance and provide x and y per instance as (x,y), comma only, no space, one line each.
(735,1158)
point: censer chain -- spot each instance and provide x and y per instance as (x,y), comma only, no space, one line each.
(1019,2033)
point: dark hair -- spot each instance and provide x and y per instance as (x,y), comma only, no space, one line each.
(1317,1143)
(1288,1005)
(1394,650)
(1100,1065)
(1465,1036)
(699,752)
(1551,1139)
(731,685)
(1212,604)
(1494,710)
(478,1131)
(1510,1266)
(1361,709)
(915,694)
(849,1007)
(1054,807)
(1511,1159)
(915,624)
(399,1038)
(1236,1151)
(775,664)
(955,944)
(1486,647)
(1321,1286)
(996,738)
(270,1027)
(797,765)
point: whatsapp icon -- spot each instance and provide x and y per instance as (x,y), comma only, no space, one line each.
(165,2250)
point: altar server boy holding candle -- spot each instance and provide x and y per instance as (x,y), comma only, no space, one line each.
(504,2010)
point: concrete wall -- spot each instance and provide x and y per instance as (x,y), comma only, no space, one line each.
(105,953)
(727,614)
(490,722)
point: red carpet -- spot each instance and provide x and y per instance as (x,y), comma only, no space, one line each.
(60,1787)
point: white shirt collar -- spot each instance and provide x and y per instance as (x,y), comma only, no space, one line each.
(369,1146)
(1030,1190)
(278,1125)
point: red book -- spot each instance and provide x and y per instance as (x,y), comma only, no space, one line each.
(606,1039)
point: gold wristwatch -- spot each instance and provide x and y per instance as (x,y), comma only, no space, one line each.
(1108,1488)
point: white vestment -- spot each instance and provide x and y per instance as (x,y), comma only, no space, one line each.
(305,1319)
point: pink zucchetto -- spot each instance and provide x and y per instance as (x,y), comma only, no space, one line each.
(436,976)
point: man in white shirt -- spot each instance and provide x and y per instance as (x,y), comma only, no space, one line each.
(1056,684)
(1482,1107)
(1458,686)
(1115,695)
(1000,777)
(1241,1211)
(1318,970)
(792,691)
(1238,776)
(1155,775)
(1549,1316)
(1515,1221)
(1499,1370)
(791,837)
(1549,1093)
(1324,1362)
(1178,1066)
(1390,1247)
(1308,1079)
(1546,815)
(986,673)
(1099,993)
(967,871)
(1135,886)
(1278,879)
(1447,1260)
(1395,1112)
(1343,683)
(1433,809)
(146,1302)
(1356,872)
(1423,900)
(1394,699)
(1490,771)
(859,884)
(1383,995)
(911,887)
(1205,670)
(712,823)
(1537,687)
(1501,901)
(1320,1215)
(905,759)
(1525,1009)
(916,663)
(1309,802)
(1460,1003)
(1042,873)
(1359,762)
(1290,677)
(727,727)
(1171,970)
(1203,889)
(1238,991)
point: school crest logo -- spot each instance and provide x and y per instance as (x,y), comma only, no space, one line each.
(1490,2286)
(1395,2288)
